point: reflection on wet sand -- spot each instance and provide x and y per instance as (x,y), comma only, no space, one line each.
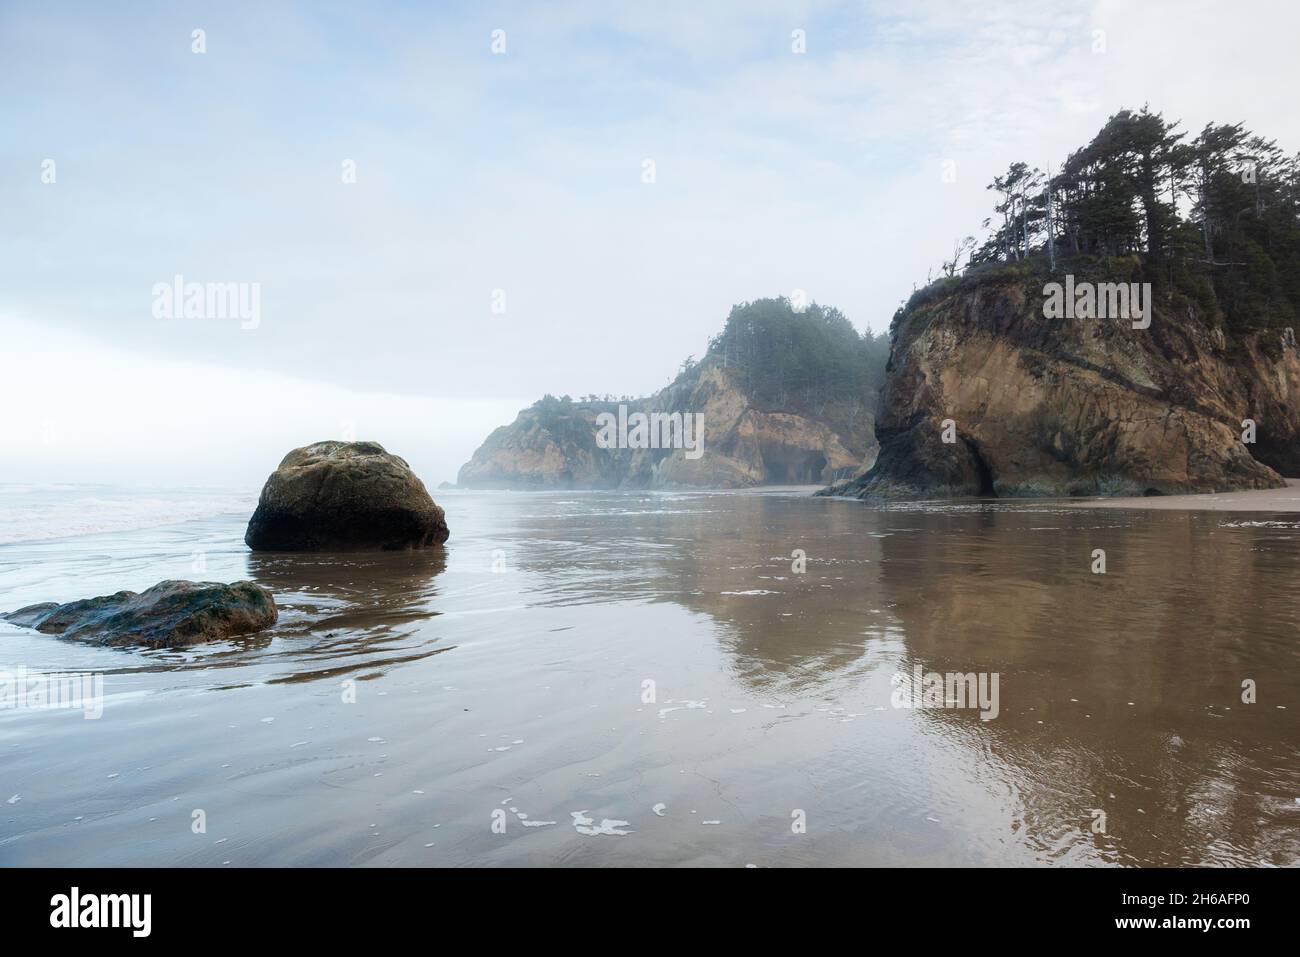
(1120,692)
(513,666)
(361,611)
(730,557)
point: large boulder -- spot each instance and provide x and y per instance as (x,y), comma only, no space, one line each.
(344,496)
(171,614)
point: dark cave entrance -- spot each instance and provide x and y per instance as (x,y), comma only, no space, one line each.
(1282,457)
(816,466)
(982,467)
(803,469)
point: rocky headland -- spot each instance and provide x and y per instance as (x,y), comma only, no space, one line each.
(1127,329)
(985,396)
(783,396)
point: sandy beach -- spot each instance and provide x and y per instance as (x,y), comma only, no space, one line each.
(1256,500)
(404,703)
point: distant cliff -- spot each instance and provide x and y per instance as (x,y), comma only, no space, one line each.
(785,397)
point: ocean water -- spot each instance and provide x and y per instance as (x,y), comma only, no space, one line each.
(678,678)
(45,512)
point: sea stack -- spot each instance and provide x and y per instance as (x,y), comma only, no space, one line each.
(987,397)
(344,496)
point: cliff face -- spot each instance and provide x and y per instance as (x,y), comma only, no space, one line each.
(553,444)
(1077,406)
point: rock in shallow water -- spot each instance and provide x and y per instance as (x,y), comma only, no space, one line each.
(344,496)
(171,614)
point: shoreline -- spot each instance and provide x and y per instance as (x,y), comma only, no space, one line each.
(1251,500)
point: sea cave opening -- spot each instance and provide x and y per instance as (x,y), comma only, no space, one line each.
(796,469)
(982,468)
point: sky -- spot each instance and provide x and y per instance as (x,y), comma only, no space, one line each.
(448,210)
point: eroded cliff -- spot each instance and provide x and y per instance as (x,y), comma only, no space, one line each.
(986,396)
(783,397)
(553,444)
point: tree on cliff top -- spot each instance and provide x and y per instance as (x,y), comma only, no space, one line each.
(785,358)
(1217,216)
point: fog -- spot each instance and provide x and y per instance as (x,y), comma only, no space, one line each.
(441,233)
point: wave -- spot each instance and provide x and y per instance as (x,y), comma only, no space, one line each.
(31,513)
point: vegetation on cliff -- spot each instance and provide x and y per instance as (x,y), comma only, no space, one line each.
(1213,219)
(806,358)
(788,396)
(782,357)
(990,393)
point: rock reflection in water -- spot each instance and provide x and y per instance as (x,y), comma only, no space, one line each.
(520,671)
(360,611)
(1119,693)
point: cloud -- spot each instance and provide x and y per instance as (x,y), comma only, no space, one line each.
(523,172)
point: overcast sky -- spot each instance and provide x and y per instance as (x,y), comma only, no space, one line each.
(522,172)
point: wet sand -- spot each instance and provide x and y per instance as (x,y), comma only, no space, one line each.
(576,660)
(1258,500)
